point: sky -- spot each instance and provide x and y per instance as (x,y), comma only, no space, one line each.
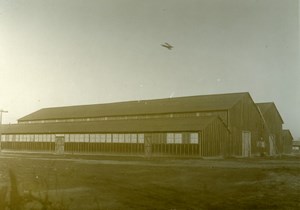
(74,52)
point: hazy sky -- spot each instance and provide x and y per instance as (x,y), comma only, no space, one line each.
(72,52)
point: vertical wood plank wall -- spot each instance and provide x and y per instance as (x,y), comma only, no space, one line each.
(214,139)
(244,116)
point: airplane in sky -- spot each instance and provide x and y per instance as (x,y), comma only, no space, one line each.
(167,45)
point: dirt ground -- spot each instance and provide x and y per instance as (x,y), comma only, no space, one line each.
(119,182)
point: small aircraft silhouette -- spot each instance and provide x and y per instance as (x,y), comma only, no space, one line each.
(167,45)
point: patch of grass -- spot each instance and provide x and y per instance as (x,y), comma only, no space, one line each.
(12,199)
(136,183)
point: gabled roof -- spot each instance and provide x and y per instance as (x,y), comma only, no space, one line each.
(157,106)
(266,106)
(287,132)
(119,126)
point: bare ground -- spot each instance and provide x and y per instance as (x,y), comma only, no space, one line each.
(120,182)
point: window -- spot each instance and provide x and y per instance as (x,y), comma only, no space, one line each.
(102,138)
(72,137)
(174,138)
(41,138)
(133,138)
(10,138)
(141,138)
(92,138)
(178,138)
(170,138)
(108,137)
(115,138)
(81,137)
(121,138)
(194,138)
(97,137)
(127,138)
(77,137)
(31,138)
(86,138)
(67,138)
(52,137)
(36,138)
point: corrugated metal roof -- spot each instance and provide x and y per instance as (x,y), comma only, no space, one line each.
(266,106)
(157,106)
(109,126)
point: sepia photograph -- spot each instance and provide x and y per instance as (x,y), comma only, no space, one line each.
(149,104)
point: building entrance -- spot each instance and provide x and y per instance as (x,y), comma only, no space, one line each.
(59,144)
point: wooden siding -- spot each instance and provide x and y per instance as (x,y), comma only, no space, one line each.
(214,140)
(273,127)
(244,116)
(287,140)
(160,147)
(29,146)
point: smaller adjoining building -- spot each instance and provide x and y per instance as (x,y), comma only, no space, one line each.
(287,140)
(272,128)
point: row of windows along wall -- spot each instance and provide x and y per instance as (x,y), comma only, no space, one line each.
(171,138)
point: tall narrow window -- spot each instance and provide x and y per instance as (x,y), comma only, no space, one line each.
(66,136)
(77,137)
(134,138)
(31,138)
(141,138)
(127,138)
(82,137)
(121,138)
(108,137)
(115,138)
(72,138)
(102,138)
(53,137)
(36,138)
(86,138)
(98,137)
(170,138)
(92,137)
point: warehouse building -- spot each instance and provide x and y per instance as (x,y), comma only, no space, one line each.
(209,125)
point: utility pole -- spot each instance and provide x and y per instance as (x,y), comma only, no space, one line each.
(1,111)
